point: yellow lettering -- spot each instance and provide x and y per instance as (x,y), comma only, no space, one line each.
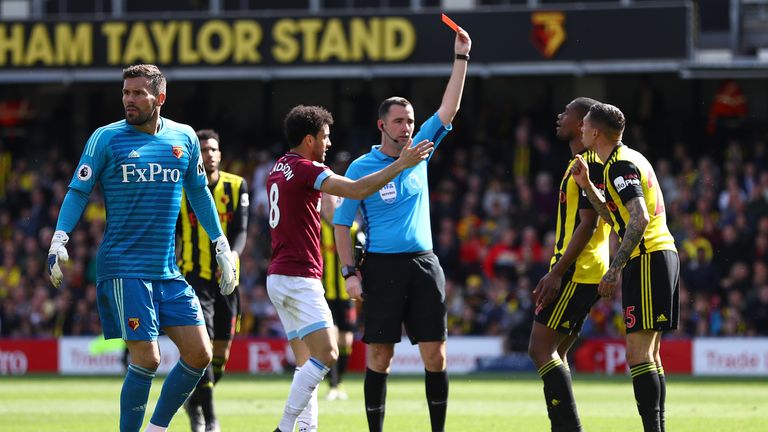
(187,54)
(333,42)
(365,40)
(165,35)
(286,48)
(247,39)
(208,52)
(39,47)
(74,47)
(138,47)
(114,32)
(309,28)
(398,29)
(12,44)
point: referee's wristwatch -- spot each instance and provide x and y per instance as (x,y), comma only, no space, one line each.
(347,271)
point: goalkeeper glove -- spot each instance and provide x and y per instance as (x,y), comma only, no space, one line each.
(227,265)
(56,254)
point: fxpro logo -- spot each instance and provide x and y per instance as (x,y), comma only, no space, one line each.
(153,173)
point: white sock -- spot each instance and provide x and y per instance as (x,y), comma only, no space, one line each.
(153,428)
(305,382)
(307,420)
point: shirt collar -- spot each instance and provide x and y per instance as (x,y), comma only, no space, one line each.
(379,155)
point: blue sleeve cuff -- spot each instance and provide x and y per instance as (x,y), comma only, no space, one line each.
(71,210)
(205,210)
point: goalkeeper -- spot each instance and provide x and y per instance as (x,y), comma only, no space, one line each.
(142,163)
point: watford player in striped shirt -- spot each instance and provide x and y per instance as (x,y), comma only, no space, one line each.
(566,293)
(646,262)
(221,312)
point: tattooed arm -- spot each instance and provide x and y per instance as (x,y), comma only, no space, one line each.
(580,172)
(638,221)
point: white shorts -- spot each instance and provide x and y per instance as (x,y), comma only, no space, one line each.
(300,304)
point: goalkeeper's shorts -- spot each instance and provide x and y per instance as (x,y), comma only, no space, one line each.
(137,309)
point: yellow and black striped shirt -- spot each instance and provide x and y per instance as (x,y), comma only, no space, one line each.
(592,262)
(629,175)
(333,282)
(198,254)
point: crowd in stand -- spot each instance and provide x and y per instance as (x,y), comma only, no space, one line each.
(494,202)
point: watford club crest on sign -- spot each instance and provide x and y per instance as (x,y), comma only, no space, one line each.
(548,32)
(178,151)
(133,323)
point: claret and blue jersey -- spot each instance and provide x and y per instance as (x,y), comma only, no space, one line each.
(397,216)
(141,176)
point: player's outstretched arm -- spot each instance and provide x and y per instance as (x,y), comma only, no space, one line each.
(71,209)
(358,189)
(455,88)
(202,203)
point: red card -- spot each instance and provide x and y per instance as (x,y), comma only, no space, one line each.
(449,22)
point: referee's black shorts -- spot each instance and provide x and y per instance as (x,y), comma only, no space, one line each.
(650,291)
(407,288)
(221,313)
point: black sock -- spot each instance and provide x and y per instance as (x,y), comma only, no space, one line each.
(333,375)
(218,364)
(375,389)
(204,392)
(561,405)
(436,385)
(662,395)
(645,380)
(342,362)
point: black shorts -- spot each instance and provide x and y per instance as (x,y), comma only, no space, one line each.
(567,312)
(221,313)
(650,291)
(399,289)
(344,314)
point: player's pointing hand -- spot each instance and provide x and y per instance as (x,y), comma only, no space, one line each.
(580,171)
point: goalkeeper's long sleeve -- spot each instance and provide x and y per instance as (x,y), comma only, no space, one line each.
(71,209)
(205,210)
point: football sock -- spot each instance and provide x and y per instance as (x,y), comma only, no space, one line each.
(645,380)
(375,389)
(307,420)
(218,364)
(133,397)
(204,395)
(342,362)
(305,382)
(154,428)
(436,385)
(558,391)
(662,395)
(179,383)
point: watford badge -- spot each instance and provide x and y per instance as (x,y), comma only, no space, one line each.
(133,323)
(548,32)
(178,151)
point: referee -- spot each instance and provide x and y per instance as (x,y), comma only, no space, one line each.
(402,281)
(198,264)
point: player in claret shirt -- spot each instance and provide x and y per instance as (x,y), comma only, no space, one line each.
(294,187)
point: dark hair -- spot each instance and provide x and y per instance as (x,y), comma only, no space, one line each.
(394,100)
(151,73)
(583,104)
(205,134)
(608,118)
(304,120)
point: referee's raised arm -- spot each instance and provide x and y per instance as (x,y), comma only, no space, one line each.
(453,91)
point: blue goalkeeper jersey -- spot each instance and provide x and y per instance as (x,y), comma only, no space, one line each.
(141,177)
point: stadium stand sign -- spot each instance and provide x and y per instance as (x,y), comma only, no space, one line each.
(410,44)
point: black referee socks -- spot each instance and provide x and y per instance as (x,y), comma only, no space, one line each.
(436,385)
(375,389)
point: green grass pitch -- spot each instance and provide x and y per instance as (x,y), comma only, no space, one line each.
(495,402)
